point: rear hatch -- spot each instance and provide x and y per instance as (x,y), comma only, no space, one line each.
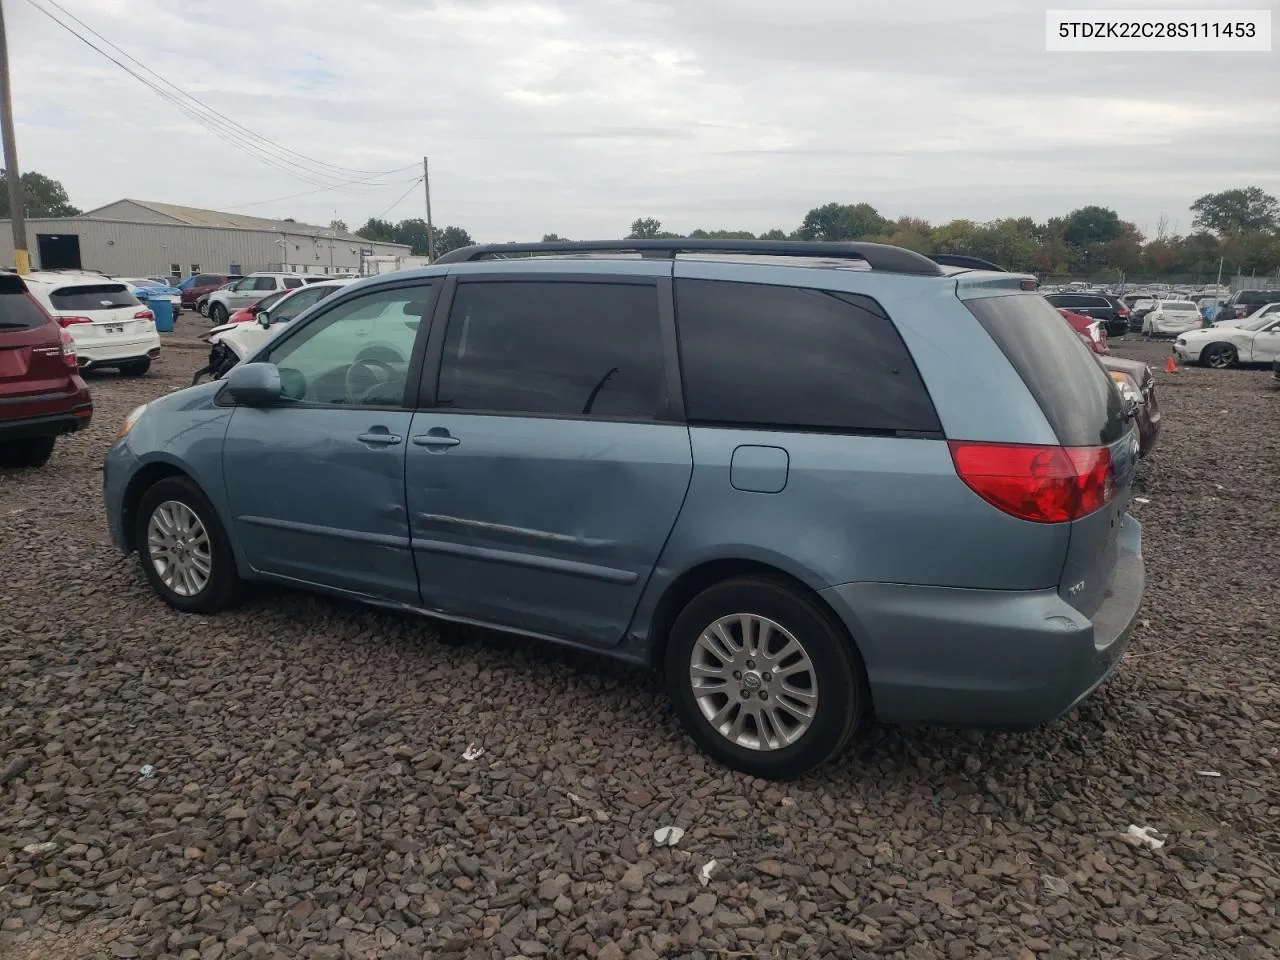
(1084,409)
(30,346)
(100,312)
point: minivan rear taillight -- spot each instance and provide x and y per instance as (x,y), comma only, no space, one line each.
(144,315)
(68,350)
(72,321)
(1043,484)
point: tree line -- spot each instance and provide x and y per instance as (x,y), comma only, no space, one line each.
(1239,228)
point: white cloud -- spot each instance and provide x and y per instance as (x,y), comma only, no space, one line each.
(579,115)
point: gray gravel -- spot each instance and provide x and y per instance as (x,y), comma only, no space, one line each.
(310,798)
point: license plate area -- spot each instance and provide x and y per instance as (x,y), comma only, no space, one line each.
(113,328)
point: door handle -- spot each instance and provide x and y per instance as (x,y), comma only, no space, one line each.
(380,439)
(437,437)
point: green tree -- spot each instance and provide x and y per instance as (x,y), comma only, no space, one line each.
(842,221)
(338,225)
(958,236)
(451,238)
(649,228)
(41,197)
(1236,211)
(1091,225)
(774,234)
(701,234)
(553,238)
(380,231)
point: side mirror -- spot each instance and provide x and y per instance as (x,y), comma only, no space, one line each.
(255,384)
(264,318)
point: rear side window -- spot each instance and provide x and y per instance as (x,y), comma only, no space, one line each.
(791,357)
(1073,390)
(102,296)
(555,349)
(18,311)
(292,283)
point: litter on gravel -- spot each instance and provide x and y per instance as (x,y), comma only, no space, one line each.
(472,752)
(668,836)
(147,771)
(704,872)
(1147,835)
(1208,773)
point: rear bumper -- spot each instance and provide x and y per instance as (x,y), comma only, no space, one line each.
(109,354)
(47,425)
(989,657)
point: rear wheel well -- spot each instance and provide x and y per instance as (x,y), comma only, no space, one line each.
(143,481)
(692,582)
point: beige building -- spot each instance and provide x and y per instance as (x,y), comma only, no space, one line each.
(145,239)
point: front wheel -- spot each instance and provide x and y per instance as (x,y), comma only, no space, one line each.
(218,314)
(1220,356)
(203,308)
(28,452)
(762,679)
(183,548)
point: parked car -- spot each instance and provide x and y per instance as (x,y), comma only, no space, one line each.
(1255,340)
(1091,331)
(197,287)
(42,395)
(1269,310)
(146,288)
(253,326)
(1170,318)
(1244,303)
(744,473)
(1275,370)
(1137,385)
(109,325)
(225,301)
(1110,310)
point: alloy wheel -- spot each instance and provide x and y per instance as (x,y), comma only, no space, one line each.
(179,547)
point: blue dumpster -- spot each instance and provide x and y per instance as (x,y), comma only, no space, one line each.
(162,307)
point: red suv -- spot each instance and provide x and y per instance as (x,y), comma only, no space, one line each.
(41,394)
(204,283)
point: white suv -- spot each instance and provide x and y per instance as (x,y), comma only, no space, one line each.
(249,290)
(110,326)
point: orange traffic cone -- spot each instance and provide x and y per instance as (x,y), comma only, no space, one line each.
(1170,366)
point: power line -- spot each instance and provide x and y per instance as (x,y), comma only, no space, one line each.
(345,171)
(308,193)
(400,201)
(231,132)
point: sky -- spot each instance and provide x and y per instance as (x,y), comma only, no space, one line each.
(577,116)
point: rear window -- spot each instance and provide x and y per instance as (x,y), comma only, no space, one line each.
(1179,305)
(1074,392)
(101,296)
(790,357)
(18,311)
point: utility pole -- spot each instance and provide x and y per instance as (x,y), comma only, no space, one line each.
(1221,260)
(12,175)
(431,230)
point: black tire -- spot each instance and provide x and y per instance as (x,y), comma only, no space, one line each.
(28,452)
(224,586)
(218,314)
(136,368)
(203,309)
(1220,356)
(837,670)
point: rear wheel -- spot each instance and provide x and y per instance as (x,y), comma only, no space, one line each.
(29,452)
(136,368)
(762,679)
(1220,356)
(203,308)
(218,314)
(184,549)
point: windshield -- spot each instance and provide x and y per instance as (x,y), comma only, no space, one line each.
(1257,323)
(98,296)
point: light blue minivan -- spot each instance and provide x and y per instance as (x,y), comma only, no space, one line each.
(810,483)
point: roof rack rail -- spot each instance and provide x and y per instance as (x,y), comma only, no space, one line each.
(878,256)
(961,260)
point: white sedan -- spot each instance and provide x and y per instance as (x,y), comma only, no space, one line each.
(1171,317)
(1257,340)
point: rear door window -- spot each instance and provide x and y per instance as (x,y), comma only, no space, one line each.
(101,296)
(554,349)
(1073,390)
(291,283)
(796,358)
(17,310)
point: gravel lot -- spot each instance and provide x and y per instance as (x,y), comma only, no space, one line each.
(310,797)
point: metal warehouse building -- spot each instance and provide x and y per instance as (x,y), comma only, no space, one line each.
(141,238)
